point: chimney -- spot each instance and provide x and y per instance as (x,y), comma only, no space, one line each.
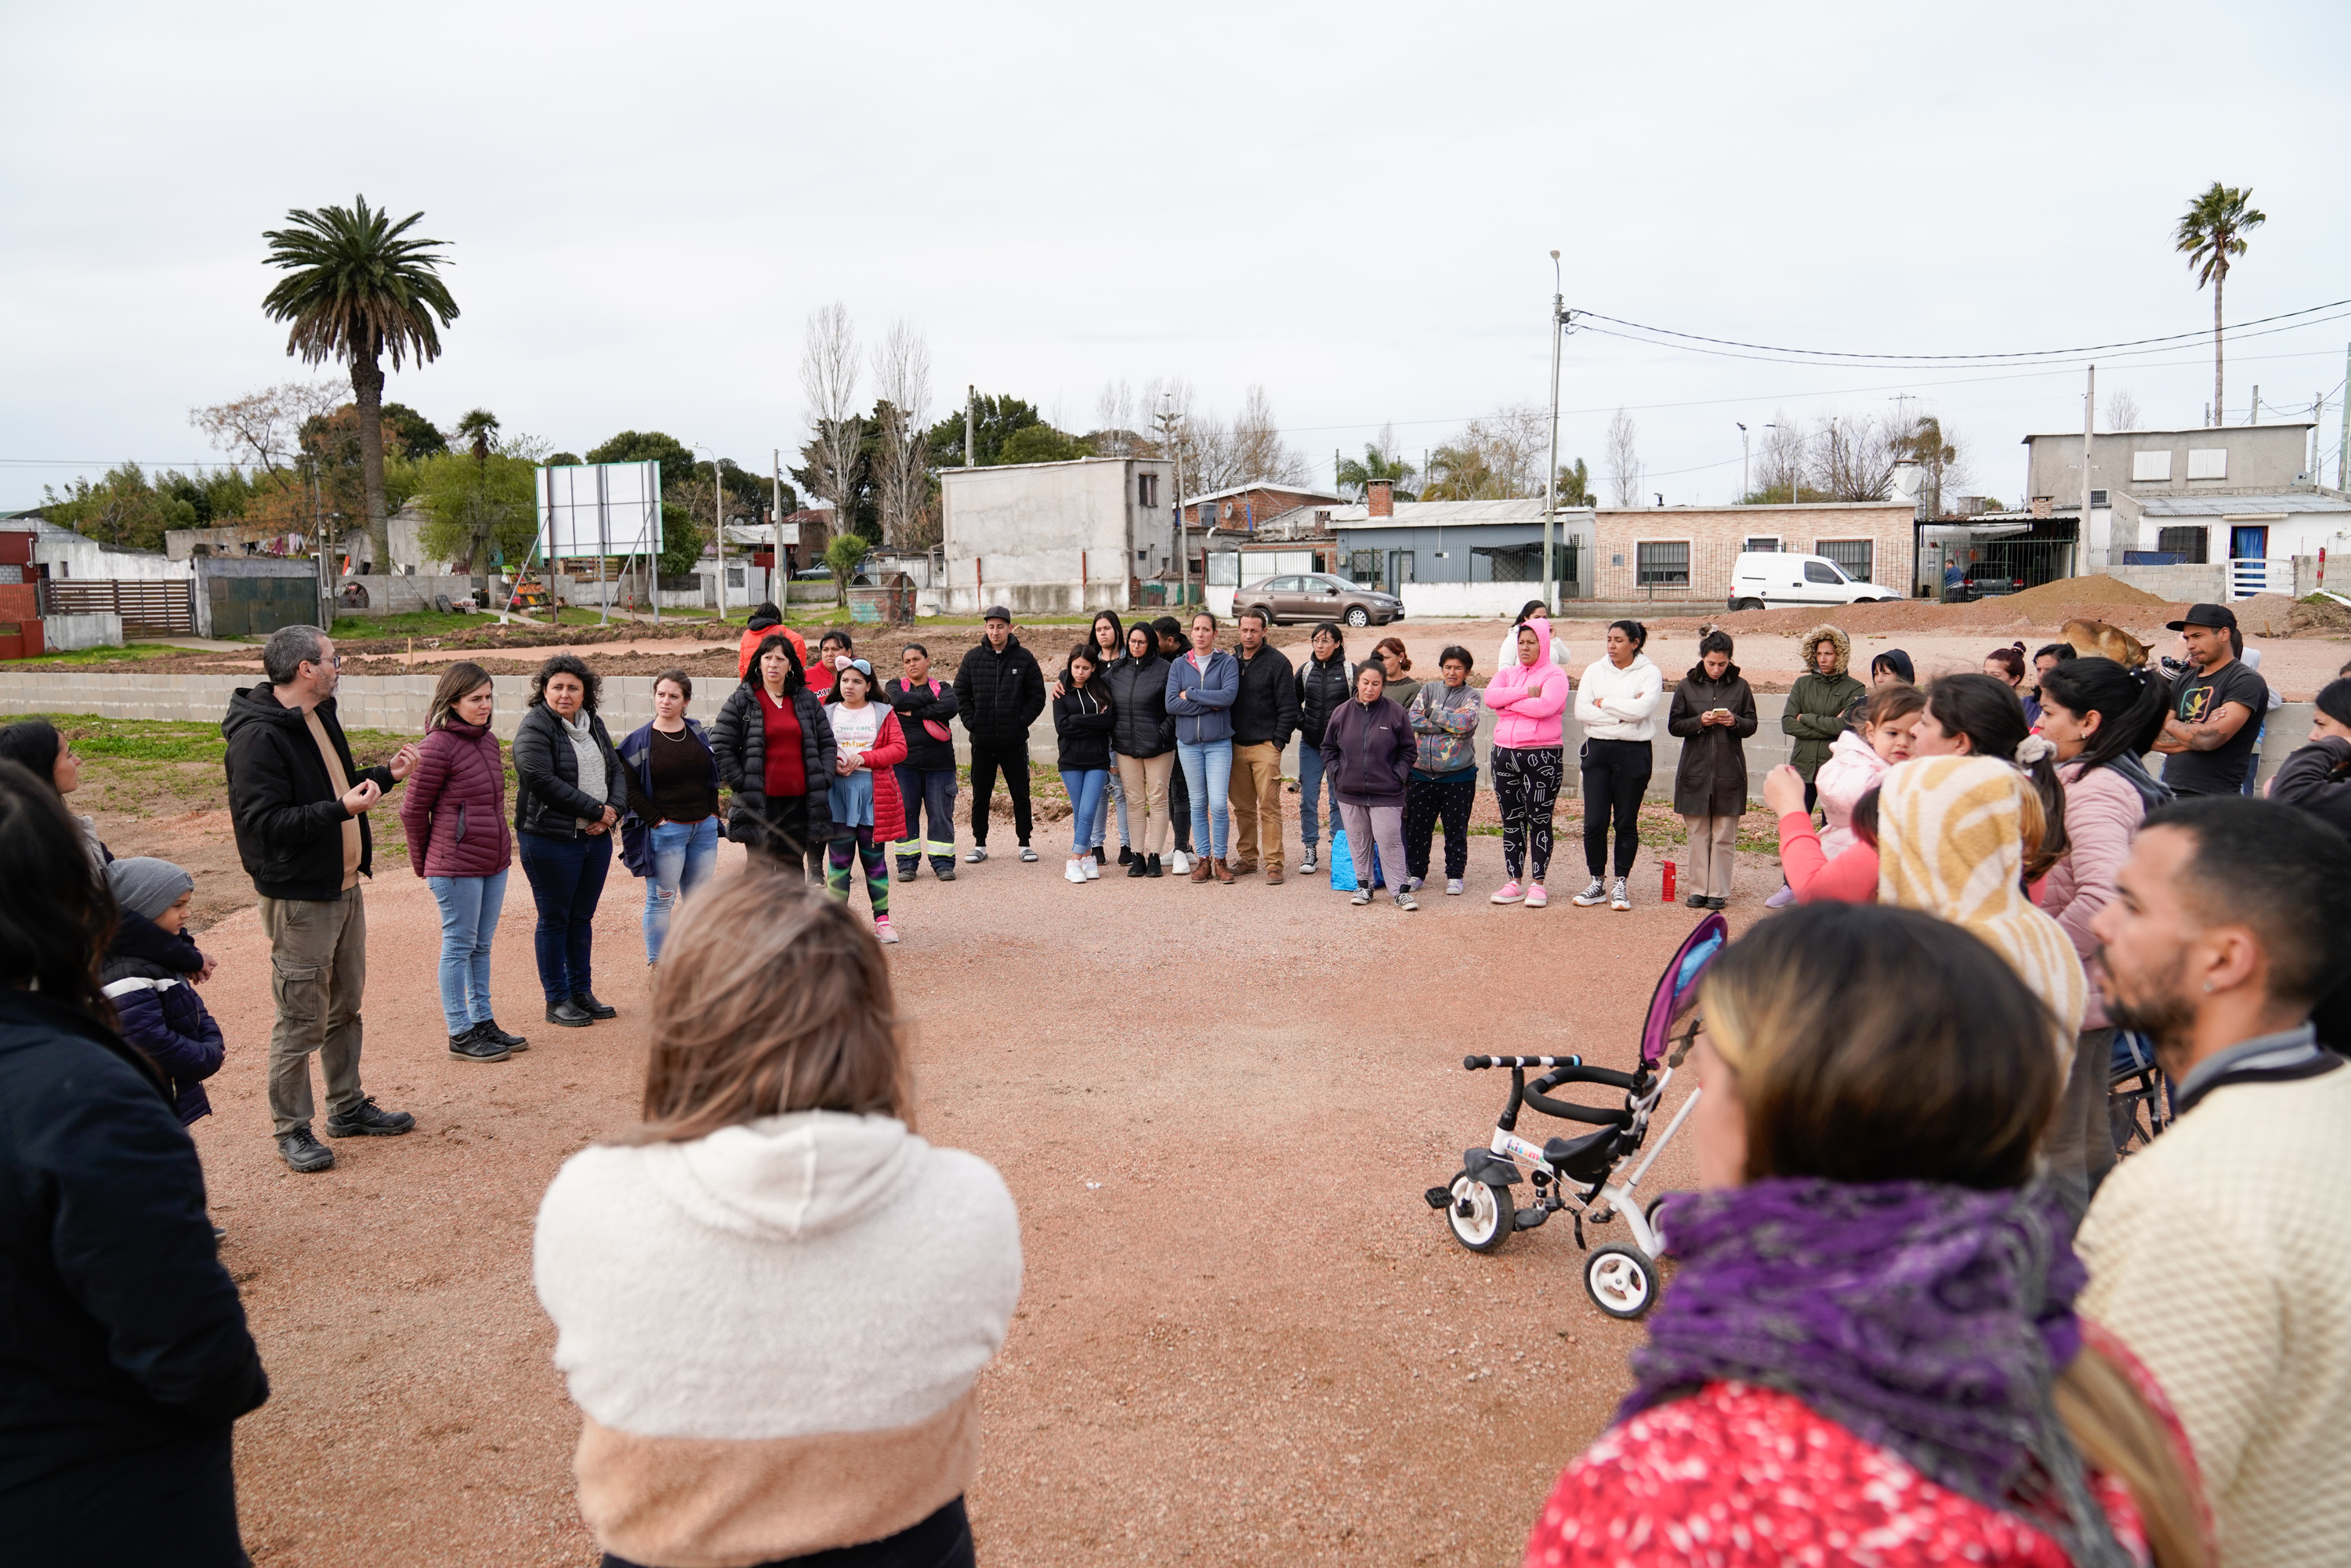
(1381,494)
(2040,508)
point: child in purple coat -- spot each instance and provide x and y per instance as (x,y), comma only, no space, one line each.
(151,970)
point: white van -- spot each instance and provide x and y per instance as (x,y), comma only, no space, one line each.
(1760,580)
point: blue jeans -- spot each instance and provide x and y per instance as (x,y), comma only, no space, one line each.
(1310,789)
(469,918)
(684,855)
(1085,786)
(567,879)
(1208,775)
(930,789)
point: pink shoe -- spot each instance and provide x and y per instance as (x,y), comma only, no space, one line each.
(883,932)
(1536,897)
(1510,894)
(1781,899)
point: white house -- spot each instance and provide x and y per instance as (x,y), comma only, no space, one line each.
(1056,537)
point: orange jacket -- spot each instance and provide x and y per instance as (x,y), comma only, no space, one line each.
(751,641)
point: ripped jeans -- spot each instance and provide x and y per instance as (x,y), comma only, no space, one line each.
(684,856)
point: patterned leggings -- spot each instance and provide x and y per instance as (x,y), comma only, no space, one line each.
(1424,801)
(868,854)
(1526,785)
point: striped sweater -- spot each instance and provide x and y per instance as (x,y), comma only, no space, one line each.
(773,1332)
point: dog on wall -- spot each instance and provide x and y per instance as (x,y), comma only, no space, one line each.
(2088,637)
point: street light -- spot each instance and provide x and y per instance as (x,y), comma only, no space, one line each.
(1742,462)
(1550,473)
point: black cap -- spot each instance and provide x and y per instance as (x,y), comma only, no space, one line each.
(996,612)
(2216,615)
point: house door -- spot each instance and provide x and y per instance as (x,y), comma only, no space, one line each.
(2249,543)
(2249,548)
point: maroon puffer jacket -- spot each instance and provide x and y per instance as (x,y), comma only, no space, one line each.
(454,806)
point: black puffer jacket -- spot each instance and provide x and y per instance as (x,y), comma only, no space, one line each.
(1138,701)
(287,813)
(1000,694)
(547,800)
(739,736)
(1321,686)
(1266,707)
(915,710)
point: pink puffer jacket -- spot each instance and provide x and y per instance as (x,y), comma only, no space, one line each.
(2102,812)
(455,806)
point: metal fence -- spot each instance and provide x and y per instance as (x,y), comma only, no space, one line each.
(1989,569)
(156,606)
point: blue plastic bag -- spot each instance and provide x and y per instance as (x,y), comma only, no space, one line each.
(1342,863)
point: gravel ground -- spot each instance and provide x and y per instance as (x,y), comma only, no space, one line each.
(1242,1336)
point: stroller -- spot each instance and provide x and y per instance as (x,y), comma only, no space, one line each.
(1584,1172)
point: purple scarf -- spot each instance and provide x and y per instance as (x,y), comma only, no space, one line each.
(1926,1319)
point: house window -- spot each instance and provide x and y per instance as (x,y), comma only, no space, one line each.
(1146,489)
(734,577)
(1766,545)
(1661,564)
(2148,465)
(2207,463)
(2190,545)
(2098,499)
(1363,565)
(1143,556)
(1851,555)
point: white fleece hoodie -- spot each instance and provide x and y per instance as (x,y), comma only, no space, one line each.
(773,1332)
(1619,705)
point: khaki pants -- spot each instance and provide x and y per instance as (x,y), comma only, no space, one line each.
(1255,796)
(1144,779)
(1713,846)
(317,962)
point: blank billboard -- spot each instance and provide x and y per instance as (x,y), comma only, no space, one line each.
(601,509)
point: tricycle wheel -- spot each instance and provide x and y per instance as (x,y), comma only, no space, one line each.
(1481,1214)
(1620,1279)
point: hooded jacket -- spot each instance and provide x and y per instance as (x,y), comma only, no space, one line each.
(1367,752)
(548,798)
(1083,721)
(739,739)
(287,813)
(148,975)
(1710,777)
(1814,716)
(1528,699)
(1853,769)
(999,694)
(1444,728)
(1265,704)
(1950,843)
(1321,685)
(2312,778)
(773,1332)
(1141,725)
(764,621)
(923,713)
(455,812)
(2103,812)
(1620,705)
(1508,654)
(1206,716)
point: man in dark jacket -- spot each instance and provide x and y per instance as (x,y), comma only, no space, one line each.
(300,806)
(999,692)
(926,779)
(1265,716)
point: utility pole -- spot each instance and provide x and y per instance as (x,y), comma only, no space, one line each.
(718,524)
(970,418)
(1167,426)
(2089,428)
(1550,470)
(2256,418)
(2343,454)
(1742,464)
(776,525)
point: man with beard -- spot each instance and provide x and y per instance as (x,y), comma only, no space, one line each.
(2222,1253)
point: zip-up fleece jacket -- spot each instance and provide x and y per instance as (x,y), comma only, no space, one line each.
(287,814)
(1322,685)
(1138,699)
(547,800)
(456,808)
(1619,705)
(1202,700)
(923,713)
(1000,694)
(1266,705)
(1814,716)
(740,739)
(1445,727)
(147,975)
(1367,752)
(1527,699)
(1710,775)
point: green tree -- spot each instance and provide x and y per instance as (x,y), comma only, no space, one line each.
(475,504)
(476,431)
(1575,485)
(997,418)
(356,290)
(418,438)
(841,554)
(647,446)
(2213,230)
(1377,465)
(123,508)
(681,539)
(1041,443)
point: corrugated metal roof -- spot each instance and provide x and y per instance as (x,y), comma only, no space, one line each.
(1453,514)
(2234,506)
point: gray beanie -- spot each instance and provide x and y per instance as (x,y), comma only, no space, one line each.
(147,886)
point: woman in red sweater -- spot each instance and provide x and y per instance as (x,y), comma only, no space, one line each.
(1868,1353)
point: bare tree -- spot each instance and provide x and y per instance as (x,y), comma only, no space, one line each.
(829,383)
(1115,434)
(901,375)
(1783,457)
(2122,410)
(1497,456)
(1259,453)
(264,429)
(1623,457)
(1855,457)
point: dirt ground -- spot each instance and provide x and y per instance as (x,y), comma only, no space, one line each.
(1242,1336)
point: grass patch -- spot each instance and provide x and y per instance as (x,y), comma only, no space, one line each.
(156,740)
(408,624)
(96,656)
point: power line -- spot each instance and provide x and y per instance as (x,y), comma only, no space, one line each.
(1689,348)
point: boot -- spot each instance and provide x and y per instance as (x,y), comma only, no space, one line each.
(1136,866)
(1224,871)
(1153,868)
(1200,868)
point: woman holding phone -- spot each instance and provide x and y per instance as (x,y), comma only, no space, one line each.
(1713,713)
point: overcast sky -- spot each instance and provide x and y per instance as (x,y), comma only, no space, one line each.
(1351,205)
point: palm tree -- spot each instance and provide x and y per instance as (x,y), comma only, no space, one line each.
(1376,465)
(355,291)
(2211,232)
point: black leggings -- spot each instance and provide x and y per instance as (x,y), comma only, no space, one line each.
(1615,777)
(1426,799)
(942,1541)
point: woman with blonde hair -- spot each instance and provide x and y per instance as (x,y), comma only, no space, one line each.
(772,1299)
(1869,1350)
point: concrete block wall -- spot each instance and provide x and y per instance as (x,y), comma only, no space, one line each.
(2191,584)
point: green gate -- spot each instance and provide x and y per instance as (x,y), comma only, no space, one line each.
(257,606)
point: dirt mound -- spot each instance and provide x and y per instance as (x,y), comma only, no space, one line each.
(2071,593)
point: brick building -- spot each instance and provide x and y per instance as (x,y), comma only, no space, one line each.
(1246,505)
(1685,553)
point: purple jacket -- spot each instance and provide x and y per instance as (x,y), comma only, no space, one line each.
(148,974)
(1367,752)
(455,809)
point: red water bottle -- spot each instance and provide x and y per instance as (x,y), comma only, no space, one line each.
(1669,881)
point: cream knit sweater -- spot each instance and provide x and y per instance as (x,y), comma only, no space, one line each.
(2221,1255)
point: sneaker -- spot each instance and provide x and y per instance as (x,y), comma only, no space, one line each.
(1453,887)
(1139,865)
(1092,866)
(473,1045)
(490,1031)
(1155,867)
(1126,855)
(1069,871)
(1781,899)
(568,1014)
(1537,898)
(303,1153)
(1178,862)
(1509,893)
(587,1003)
(1597,892)
(1028,854)
(978,854)
(883,932)
(1415,883)
(906,870)
(368,1120)
(1309,865)
(1405,900)
(944,871)
(1363,895)
(1617,897)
